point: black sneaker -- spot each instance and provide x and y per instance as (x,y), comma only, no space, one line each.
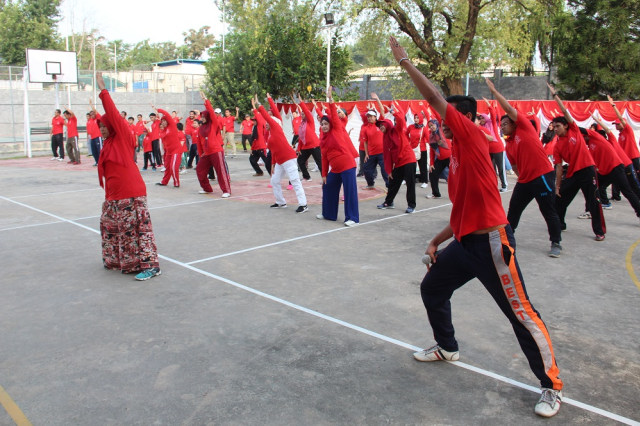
(386,206)
(278,206)
(302,209)
(161,184)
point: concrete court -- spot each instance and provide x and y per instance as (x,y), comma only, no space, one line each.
(315,327)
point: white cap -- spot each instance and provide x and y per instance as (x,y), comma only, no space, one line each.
(372,112)
(217,110)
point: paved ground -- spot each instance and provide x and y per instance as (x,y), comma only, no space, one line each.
(269,317)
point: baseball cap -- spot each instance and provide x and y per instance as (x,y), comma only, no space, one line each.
(371,112)
(217,110)
(616,122)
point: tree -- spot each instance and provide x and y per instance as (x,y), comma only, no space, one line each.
(598,49)
(454,37)
(27,24)
(273,47)
(197,42)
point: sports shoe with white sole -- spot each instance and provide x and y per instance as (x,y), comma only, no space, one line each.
(278,206)
(584,215)
(226,195)
(202,191)
(350,223)
(148,273)
(319,216)
(302,209)
(556,250)
(549,403)
(436,353)
(424,185)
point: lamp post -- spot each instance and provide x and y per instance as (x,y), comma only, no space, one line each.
(328,19)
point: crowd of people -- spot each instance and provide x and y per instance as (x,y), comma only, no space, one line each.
(448,140)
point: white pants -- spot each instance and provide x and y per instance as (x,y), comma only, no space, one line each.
(291,169)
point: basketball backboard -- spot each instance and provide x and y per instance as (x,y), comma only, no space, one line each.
(52,66)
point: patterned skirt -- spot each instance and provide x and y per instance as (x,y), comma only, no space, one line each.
(128,243)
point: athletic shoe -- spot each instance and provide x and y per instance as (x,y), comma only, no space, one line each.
(226,195)
(350,223)
(599,238)
(76,163)
(161,184)
(278,206)
(153,169)
(386,206)
(189,167)
(183,171)
(315,169)
(319,216)
(616,198)
(369,187)
(289,186)
(607,206)
(60,159)
(585,215)
(96,165)
(53,158)
(269,186)
(556,250)
(436,353)
(163,169)
(148,273)
(410,210)
(70,162)
(308,180)
(549,402)
(360,175)
(302,209)
(435,197)
(503,189)
(424,185)
(202,191)
(258,174)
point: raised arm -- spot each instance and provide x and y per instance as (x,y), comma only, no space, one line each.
(618,114)
(170,122)
(274,108)
(601,123)
(506,106)
(120,125)
(560,104)
(66,108)
(422,83)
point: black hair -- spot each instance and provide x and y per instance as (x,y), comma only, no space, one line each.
(139,115)
(198,121)
(534,123)
(583,131)
(123,113)
(153,114)
(464,104)
(180,126)
(560,119)
(58,111)
(507,117)
(603,133)
(66,112)
(131,118)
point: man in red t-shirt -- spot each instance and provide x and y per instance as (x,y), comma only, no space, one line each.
(57,140)
(371,139)
(72,137)
(247,131)
(581,172)
(140,129)
(536,177)
(627,140)
(229,135)
(483,245)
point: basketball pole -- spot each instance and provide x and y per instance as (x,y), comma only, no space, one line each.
(27,124)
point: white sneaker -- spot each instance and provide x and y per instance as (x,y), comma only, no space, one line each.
(53,158)
(549,402)
(584,215)
(436,353)
(183,171)
(350,223)
(202,191)
(60,159)
(226,195)
(424,185)
(163,169)
(319,216)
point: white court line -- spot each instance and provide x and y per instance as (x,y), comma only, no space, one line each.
(29,226)
(486,373)
(55,193)
(302,237)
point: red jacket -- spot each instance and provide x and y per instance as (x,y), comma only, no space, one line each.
(397,149)
(171,138)
(118,174)
(260,142)
(336,152)
(210,132)
(281,151)
(308,139)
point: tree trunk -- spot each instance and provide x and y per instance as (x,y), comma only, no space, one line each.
(452,86)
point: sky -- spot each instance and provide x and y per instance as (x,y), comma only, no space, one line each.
(134,21)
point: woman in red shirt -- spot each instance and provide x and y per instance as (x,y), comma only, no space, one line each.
(128,243)
(338,169)
(440,155)
(173,149)
(212,152)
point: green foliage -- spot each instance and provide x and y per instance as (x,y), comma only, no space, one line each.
(197,42)
(27,24)
(276,48)
(598,50)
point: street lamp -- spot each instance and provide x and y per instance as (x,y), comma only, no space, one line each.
(329,22)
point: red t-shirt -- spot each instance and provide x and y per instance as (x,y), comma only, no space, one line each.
(228,123)
(247,127)
(72,127)
(140,128)
(603,153)
(473,188)
(371,134)
(616,146)
(572,149)
(525,150)
(93,130)
(418,136)
(57,125)
(628,142)
(281,151)
(146,144)
(155,130)
(295,123)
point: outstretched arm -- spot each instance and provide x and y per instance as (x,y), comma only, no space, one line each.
(506,106)
(601,123)
(426,88)
(615,108)
(560,104)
